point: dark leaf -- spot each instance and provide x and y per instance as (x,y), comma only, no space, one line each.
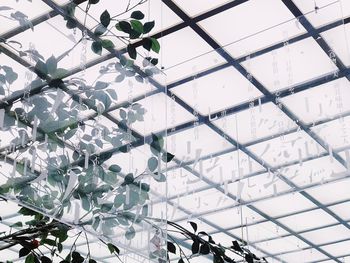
(132,51)
(236,246)
(181,261)
(147,27)
(105,18)
(154,61)
(23,252)
(92,2)
(204,249)
(137,15)
(195,247)
(194,226)
(96,47)
(167,157)
(171,247)
(124,26)
(147,44)
(249,258)
(113,249)
(45,259)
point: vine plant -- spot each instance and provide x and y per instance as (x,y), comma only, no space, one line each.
(65,164)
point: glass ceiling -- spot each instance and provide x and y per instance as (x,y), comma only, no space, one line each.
(252,97)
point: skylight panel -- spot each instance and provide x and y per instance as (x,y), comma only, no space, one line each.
(244,35)
(338,39)
(258,232)
(284,244)
(335,133)
(19,13)
(256,123)
(238,216)
(323,102)
(217,91)
(228,167)
(342,210)
(257,187)
(338,249)
(331,192)
(285,67)
(308,220)
(193,144)
(321,12)
(287,149)
(307,255)
(192,9)
(327,234)
(313,172)
(276,206)
(184,58)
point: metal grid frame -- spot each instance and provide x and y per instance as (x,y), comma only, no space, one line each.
(205,120)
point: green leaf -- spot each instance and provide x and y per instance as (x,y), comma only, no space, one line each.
(92,260)
(155,45)
(17,224)
(131,51)
(113,249)
(147,27)
(93,2)
(107,44)
(96,47)
(124,26)
(51,65)
(105,18)
(171,247)
(137,15)
(130,233)
(23,252)
(30,259)
(27,212)
(152,163)
(49,242)
(137,26)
